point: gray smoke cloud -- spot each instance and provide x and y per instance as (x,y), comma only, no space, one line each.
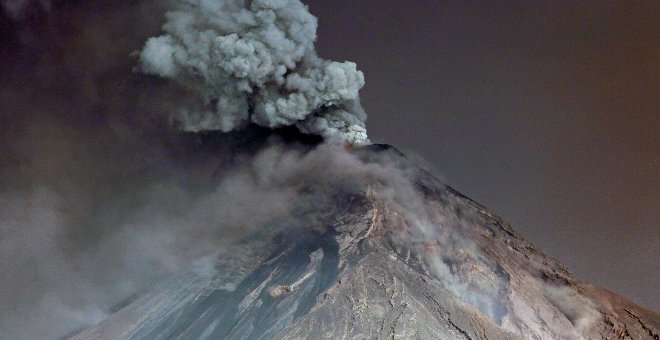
(100,201)
(71,253)
(254,62)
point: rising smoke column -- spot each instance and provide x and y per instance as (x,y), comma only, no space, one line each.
(254,62)
(87,169)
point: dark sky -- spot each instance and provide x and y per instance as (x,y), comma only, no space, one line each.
(545,113)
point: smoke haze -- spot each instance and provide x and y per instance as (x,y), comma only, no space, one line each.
(114,175)
(101,196)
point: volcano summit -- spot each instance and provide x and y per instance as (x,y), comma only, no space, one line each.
(383,251)
(215,180)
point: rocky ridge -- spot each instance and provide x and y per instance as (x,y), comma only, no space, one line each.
(367,268)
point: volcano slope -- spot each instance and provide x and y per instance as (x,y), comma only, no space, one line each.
(381,256)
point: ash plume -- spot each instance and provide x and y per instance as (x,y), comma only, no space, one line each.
(101,201)
(254,62)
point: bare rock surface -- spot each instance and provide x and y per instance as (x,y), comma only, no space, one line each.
(369,270)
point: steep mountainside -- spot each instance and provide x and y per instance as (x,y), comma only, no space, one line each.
(373,260)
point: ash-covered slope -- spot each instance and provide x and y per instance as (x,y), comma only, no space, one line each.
(400,258)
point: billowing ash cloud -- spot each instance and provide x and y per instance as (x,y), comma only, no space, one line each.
(254,62)
(99,203)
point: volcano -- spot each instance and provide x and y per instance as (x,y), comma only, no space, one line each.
(363,260)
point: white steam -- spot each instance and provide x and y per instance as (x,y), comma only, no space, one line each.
(254,62)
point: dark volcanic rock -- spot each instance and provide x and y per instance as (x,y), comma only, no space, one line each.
(373,267)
